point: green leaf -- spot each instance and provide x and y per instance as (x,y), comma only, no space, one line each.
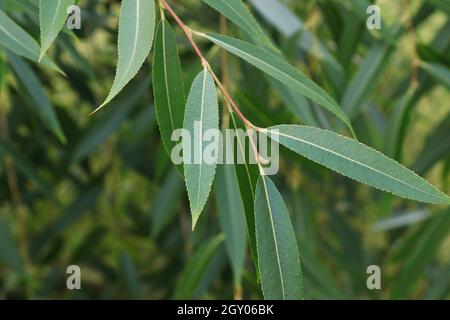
(357,161)
(41,104)
(278,256)
(393,134)
(136,28)
(238,13)
(247,175)
(364,81)
(295,102)
(202,114)
(281,70)
(196,267)
(52,15)
(425,245)
(231,212)
(168,85)
(283,19)
(14,38)
(164,208)
(437,147)
(439,72)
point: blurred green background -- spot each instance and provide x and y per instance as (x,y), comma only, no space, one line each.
(110,201)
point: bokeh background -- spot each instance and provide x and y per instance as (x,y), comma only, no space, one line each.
(110,201)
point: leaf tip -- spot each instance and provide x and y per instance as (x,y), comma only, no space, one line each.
(41,56)
(98,108)
(195,217)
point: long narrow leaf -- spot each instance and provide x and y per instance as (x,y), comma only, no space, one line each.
(52,15)
(136,28)
(280,70)
(168,85)
(278,256)
(41,105)
(202,114)
(357,161)
(196,267)
(14,38)
(236,11)
(232,218)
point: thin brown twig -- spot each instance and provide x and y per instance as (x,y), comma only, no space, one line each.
(224,69)
(188,32)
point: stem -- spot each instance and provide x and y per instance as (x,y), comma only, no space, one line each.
(188,32)
(224,69)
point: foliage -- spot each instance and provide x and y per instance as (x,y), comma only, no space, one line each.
(89,182)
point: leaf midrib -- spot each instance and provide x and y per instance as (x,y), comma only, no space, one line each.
(306,88)
(248,23)
(166,80)
(47,38)
(201,144)
(242,149)
(274,236)
(136,36)
(355,161)
(16,40)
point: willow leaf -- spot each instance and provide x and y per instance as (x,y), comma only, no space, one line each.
(429,239)
(437,147)
(14,38)
(136,28)
(279,69)
(238,13)
(52,15)
(168,85)
(231,212)
(195,269)
(278,255)
(247,175)
(202,114)
(357,161)
(41,105)
(164,208)
(366,78)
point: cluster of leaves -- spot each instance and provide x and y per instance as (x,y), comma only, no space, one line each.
(249,207)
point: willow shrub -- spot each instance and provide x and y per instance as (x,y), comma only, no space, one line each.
(313,93)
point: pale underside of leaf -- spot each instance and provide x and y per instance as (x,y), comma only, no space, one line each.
(202,108)
(52,15)
(357,161)
(136,29)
